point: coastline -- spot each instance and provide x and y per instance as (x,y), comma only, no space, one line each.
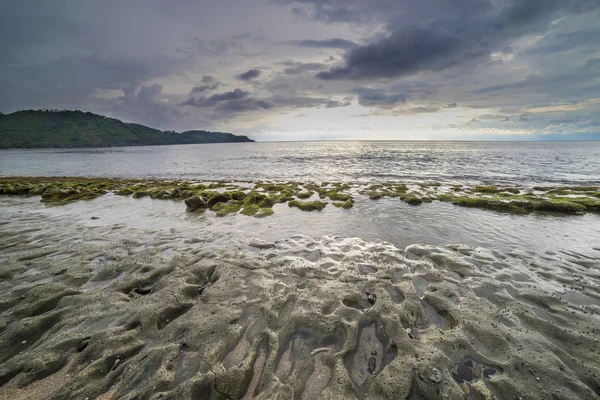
(248,196)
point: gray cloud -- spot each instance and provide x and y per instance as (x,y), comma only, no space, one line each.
(379,98)
(448,42)
(296,67)
(143,103)
(249,75)
(176,67)
(207,83)
(239,101)
(336,43)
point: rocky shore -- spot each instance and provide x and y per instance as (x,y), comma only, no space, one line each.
(99,309)
(252,198)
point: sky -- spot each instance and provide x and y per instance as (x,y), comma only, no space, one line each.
(312,69)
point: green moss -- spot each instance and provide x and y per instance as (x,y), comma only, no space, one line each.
(254,198)
(126,191)
(412,200)
(140,193)
(237,195)
(346,204)
(217,198)
(400,188)
(495,189)
(267,202)
(264,212)
(304,195)
(336,196)
(486,203)
(250,209)
(561,206)
(217,206)
(228,209)
(308,205)
(591,205)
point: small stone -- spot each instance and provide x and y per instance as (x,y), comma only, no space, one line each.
(81,346)
(435,375)
(94,218)
(143,290)
(24,342)
(371,298)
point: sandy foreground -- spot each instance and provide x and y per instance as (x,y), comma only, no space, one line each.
(124,311)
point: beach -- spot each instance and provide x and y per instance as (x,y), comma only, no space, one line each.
(118,297)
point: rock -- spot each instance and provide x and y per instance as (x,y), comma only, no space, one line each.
(435,375)
(371,298)
(163,194)
(195,203)
(82,345)
(218,198)
(143,290)
(261,244)
(94,218)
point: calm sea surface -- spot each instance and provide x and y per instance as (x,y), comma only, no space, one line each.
(361,161)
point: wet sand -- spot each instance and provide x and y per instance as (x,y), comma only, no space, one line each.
(134,309)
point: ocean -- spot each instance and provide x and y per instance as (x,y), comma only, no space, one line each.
(360,161)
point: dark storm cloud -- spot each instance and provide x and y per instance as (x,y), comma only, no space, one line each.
(249,75)
(239,101)
(326,43)
(404,53)
(378,98)
(448,42)
(207,83)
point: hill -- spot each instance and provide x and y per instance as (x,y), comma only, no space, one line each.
(48,129)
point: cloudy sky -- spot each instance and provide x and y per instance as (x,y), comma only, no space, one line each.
(312,69)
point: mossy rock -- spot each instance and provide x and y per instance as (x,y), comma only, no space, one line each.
(56,195)
(264,212)
(218,206)
(237,195)
(412,200)
(228,209)
(478,202)
(217,198)
(304,195)
(346,204)
(126,191)
(336,196)
(495,189)
(254,198)
(195,203)
(560,206)
(308,205)
(591,205)
(250,209)
(140,193)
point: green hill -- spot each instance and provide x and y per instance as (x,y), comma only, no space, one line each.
(46,129)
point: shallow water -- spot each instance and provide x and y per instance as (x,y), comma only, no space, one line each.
(363,161)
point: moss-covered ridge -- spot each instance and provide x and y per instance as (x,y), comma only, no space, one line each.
(258,198)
